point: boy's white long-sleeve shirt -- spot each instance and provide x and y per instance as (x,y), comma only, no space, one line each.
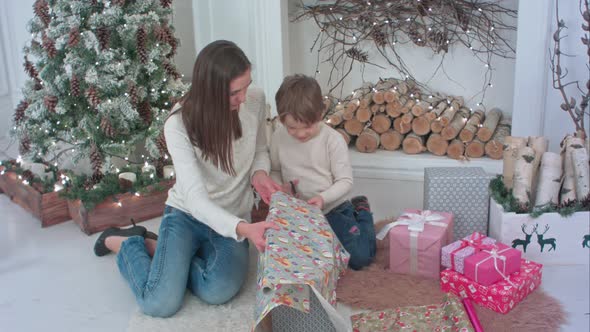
(321,165)
(213,197)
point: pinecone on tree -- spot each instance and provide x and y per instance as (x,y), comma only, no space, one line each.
(93,98)
(103,35)
(107,127)
(160,33)
(50,102)
(161,144)
(141,48)
(30,69)
(28,176)
(119,3)
(166,3)
(95,159)
(145,112)
(159,164)
(171,70)
(172,41)
(25,145)
(38,85)
(133,95)
(74,37)
(41,9)
(49,46)
(75,86)
(379,37)
(19,113)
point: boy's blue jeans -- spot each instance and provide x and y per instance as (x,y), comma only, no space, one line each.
(189,254)
(356,232)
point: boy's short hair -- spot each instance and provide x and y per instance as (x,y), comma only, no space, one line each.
(301,97)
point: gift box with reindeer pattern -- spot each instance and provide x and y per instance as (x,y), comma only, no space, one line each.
(547,239)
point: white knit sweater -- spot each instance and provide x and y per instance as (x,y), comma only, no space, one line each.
(213,197)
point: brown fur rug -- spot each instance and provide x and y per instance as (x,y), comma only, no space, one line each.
(375,288)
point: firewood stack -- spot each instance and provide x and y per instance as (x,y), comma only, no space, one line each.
(395,113)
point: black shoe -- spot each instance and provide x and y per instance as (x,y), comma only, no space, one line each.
(360,203)
(151,235)
(100,249)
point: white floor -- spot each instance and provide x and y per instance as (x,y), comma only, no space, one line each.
(51,281)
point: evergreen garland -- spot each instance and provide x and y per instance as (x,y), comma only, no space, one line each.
(43,186)
(505,198)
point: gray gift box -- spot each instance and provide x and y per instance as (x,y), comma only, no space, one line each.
(462,191)
(287,319)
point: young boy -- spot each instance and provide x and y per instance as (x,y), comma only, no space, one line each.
(308,153)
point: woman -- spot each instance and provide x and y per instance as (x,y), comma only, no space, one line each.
(217,143)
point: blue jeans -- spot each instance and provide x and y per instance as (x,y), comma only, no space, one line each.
(356,232)
(189,254)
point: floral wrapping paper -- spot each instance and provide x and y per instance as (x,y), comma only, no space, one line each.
(303,253)
(501,296)
(450,253)
(447,316)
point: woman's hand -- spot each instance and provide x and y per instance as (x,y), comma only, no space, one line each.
(264,185)
(317,201)
(255,232)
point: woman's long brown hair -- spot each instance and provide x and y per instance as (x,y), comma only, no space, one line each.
(206,114)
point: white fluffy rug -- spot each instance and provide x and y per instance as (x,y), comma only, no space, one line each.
(195,315)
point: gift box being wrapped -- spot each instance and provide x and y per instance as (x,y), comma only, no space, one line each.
(502,296)
(415,241)
(298,271)
(462,191)
(447,316)
(481,258)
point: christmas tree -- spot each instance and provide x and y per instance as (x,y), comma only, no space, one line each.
(101,82)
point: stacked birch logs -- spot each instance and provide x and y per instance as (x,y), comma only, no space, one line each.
(539,178)
(394,114)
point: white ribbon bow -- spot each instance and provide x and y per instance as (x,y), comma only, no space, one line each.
(414,221)
(495,255)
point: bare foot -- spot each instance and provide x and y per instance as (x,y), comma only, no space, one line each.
(150,245)
(114,242)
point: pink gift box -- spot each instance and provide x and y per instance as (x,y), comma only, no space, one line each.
(418,252)
(454,254)
(481,267)
(501,296)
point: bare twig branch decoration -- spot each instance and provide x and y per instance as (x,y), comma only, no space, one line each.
(348,28)
(576,112)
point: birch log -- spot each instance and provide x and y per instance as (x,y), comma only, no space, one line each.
(368,141)
(353,127)
(523,171)
(436,126)
(549,180)
(393,109)
(413,144)
(437,145)
(437,111)
(421,125)
(489,125)
(420,108)
(390,95)
(539,144)
(568,188)
(512,145)
(391,140)
(475,149)
(335,118)
(454,127)
(475,120)
(448,115)
(494,148)
(381,123)
(456,149)
(581,170)
(363,114)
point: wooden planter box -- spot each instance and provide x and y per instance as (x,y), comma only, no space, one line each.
(110,214)
(49,208)
(549,239)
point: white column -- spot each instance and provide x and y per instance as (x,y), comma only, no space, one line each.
(532,67)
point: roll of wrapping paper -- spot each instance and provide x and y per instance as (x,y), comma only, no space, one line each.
(472,314)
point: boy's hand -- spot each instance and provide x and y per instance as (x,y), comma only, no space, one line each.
(255,232)
(317,201)
(264,185)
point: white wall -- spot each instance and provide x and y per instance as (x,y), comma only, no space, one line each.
(460,64)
